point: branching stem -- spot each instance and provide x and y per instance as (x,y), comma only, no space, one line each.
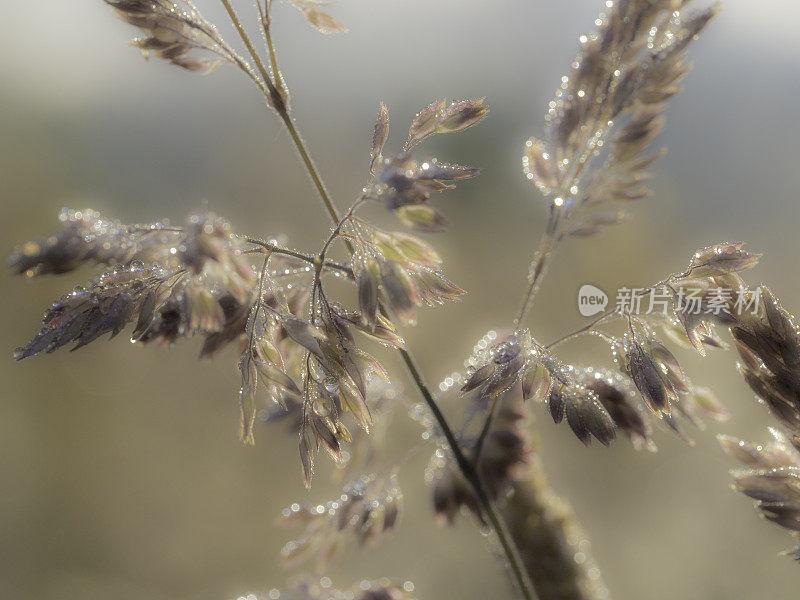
(465,466)
(249,44)
(338,229)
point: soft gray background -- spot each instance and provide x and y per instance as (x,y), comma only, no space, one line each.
(121,473)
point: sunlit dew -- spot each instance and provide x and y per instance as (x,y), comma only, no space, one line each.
(456,378)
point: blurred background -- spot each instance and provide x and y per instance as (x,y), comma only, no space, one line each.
(120,468)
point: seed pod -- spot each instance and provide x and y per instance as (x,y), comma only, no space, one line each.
(204,312)
(505,376)
(434,288)
(380,135)
(434,174)
(461,115)
(306,457)
(536,382)
(321,21)
(668,363)
(478,378)
(275,376)
(326,435)
(368,297)
(655,391)
(147,309)
(617,396)
(305,334)
(247,409)
(705,400)
(174,31)
(555,404)
(422,218)
(726,257)
(403,246)
(702,335)
(424,123)
(267,351)
(356,404)
(399,291)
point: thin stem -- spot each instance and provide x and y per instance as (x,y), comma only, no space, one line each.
(310,167)
(227,52)
(283,110)
(278,250)
(616,311)
(471,475)
(307,258)
(276,73)
(272,92)
(260,298)
(338,229)
(266,21)
(155,229)
(540,263)
(487,425)
(585,329)
(247,429)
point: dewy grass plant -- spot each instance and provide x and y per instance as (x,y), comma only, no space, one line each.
(303,345)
